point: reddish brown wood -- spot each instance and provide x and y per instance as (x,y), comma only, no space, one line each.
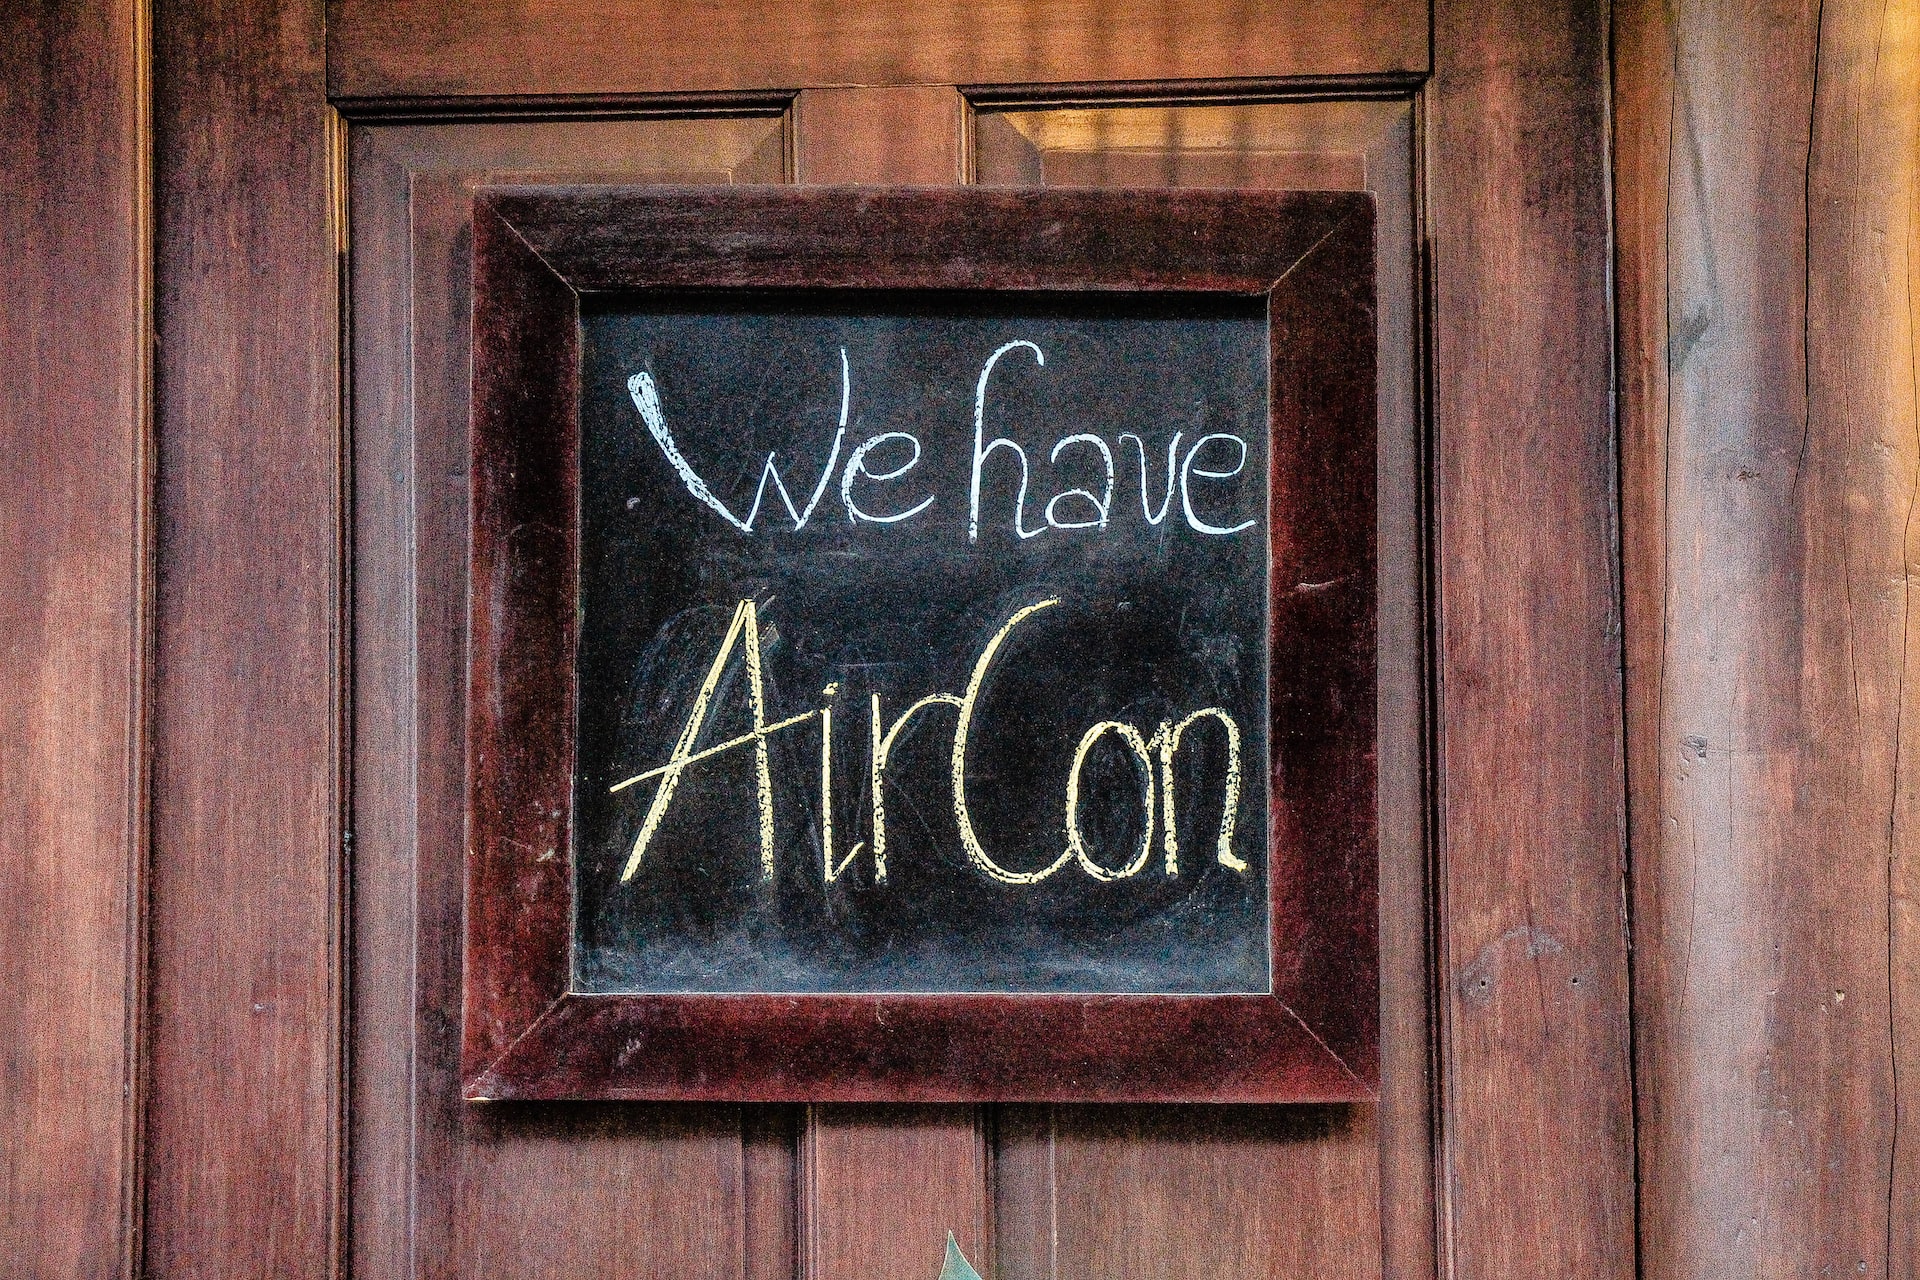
(73,609)
(770,1192)
(419,48)
(1768,162)
(1026,1189)
(243,1122)
(1407,1114)
(1537,1173)
(1275,171)
(379,1104)
(920,1049)
(1322,641)
(524,557)
(606,1188)
(913,135)
(1314,1038)
(1238,1191)
(604,239)
(883,1186)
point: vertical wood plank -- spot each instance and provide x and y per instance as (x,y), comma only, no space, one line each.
(880,1187)
(1218,1191)
(243,1121)
(908,134)
(770,1192)
(595,1189)
(73,319)
(1537,1156)
(385,728)
(1026,1199)
(1406,1110)
(1768,183)
(1643,101)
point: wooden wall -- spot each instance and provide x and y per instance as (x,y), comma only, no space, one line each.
(74,488)
(1766,176)
(1532,981)
(1767,182)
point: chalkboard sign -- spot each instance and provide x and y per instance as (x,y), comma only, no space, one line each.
(921,646)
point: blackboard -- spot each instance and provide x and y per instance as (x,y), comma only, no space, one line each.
(746,476)
(1052,511)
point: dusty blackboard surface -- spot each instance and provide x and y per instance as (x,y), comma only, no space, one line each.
(807,513)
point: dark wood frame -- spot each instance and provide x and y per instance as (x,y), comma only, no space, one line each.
(526,1034)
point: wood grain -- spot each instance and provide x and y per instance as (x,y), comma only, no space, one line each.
(909,134)
(596,1189)
(383,963)
(74,488)
(1537,1172)
(523,565)
(243,1122)
(882,1186)
(1024,1150)
(1275,146)
(1276,171)
(1218,1191)
(602,238)
(395,49)
(770,1192)
(1768,161)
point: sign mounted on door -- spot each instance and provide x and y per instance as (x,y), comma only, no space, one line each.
(921,646)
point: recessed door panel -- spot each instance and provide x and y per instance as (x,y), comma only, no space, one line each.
(1200,1183)
(441,1187)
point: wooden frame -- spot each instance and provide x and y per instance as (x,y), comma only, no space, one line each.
(527,1034)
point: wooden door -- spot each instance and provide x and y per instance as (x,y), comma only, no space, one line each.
(302,1114)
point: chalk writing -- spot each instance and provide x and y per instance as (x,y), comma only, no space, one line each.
(1095,511)
(744,630)
(646,399)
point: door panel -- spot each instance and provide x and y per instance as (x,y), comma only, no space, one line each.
(1229,1190)
(243,1072)
(882,1186)
(1314,146)
(911,134)
(852,1191)
(1216,1191)
(74,595)
(442,1188)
